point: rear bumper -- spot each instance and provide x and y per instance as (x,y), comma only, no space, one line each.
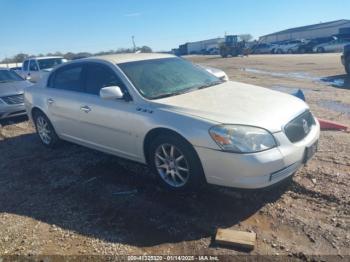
(258,170)
(7,111)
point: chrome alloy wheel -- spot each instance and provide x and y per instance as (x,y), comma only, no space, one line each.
(43,130)
(172,165)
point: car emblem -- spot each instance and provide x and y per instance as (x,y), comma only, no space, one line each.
(305,126)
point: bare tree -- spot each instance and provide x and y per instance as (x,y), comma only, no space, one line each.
(246,37)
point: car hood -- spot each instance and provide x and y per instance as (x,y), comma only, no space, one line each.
(237,103)
(13,88)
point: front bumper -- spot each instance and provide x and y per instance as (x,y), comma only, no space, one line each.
(257,170)
(7,111)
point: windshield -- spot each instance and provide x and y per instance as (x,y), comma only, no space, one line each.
(159,78)
(9,76)
(49,63)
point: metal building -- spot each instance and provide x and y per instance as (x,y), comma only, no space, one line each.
(199,46)
(328,29)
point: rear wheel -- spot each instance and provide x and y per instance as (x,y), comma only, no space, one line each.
(175,163)
(45,130)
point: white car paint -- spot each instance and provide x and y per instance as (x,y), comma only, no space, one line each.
(31,68)
(120,127)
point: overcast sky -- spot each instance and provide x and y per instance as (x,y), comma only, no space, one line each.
(42,26)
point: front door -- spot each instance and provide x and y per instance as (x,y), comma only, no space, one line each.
(109,125)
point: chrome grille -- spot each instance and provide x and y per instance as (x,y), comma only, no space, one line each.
(14,99)
(297,129)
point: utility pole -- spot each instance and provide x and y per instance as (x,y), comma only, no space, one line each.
(133,43)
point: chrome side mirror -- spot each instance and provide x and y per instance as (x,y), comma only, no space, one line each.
(111,92)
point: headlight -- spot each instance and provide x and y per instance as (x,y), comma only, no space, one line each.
(242,139)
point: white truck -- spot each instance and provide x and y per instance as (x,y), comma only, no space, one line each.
(34,68)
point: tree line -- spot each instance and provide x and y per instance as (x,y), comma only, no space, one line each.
(19,58)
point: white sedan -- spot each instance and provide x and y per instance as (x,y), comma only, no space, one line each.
(189,126)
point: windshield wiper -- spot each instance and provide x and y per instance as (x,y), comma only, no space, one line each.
(174,93)
(188,90)
(211,84)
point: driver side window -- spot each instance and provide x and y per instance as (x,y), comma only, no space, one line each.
(99,76)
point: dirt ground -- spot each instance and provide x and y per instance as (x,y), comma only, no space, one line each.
(65,201)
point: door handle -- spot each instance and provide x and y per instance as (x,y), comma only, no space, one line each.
(50,101)
(86,109)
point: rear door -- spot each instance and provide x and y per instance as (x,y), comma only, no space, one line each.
(63,96)
(109,125)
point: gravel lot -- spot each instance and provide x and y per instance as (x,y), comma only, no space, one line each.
(66,201)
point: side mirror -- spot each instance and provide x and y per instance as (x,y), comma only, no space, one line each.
(111,92)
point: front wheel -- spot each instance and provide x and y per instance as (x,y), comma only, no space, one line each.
(45,130)
(175,163)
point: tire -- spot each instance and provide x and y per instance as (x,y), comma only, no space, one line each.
(347,66)
(320,50)
(178,171)
(45,130)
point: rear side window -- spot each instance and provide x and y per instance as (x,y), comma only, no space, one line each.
(99,76)
(68,78)
(25,65)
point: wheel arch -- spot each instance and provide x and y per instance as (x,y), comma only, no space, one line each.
(37,109)
(153,133)
(34,110)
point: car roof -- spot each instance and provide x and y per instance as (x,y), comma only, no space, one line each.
(43,57)
(124,58)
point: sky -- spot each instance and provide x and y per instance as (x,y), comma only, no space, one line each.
(42,26)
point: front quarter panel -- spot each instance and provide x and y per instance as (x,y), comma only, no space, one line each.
(194,130)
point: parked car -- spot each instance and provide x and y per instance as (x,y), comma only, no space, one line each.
(263,48)
(345,58)
(289,47)
(35,68)
(308,45)
(189,126)
(213,51)
(336,45)
(11,93)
